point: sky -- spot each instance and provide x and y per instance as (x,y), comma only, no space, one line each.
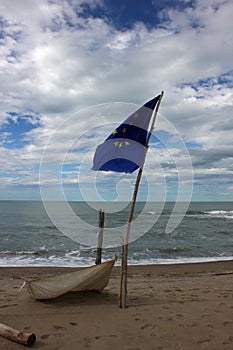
(71,71)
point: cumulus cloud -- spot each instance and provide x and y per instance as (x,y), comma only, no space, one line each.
(57,60)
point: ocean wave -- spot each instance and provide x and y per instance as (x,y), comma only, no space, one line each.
(26,252)
(225,214)
(195,212)
(218,214)
(18,261)
(179,260)
(173,250)
(27,260)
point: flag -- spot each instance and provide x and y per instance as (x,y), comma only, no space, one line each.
(124,148)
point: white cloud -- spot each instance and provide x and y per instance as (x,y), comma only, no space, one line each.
(55,62)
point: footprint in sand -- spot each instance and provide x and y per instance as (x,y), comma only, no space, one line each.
(87,341)
(227,323)
(147,325)
(57,327)
(45,336)
(204,341)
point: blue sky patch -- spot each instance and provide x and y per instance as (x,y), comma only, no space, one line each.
(123,14)
(209,82)
(164,139)
(14,131)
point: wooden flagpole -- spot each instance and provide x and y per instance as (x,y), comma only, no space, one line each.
(124,267)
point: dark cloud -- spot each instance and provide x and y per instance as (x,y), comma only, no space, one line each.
(210,158)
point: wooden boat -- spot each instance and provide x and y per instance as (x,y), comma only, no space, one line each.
(92,278)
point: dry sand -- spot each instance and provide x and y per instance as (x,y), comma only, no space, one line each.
(186,306)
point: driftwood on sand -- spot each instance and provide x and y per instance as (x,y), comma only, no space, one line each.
(16,335)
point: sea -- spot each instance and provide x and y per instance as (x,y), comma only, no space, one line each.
(30,234)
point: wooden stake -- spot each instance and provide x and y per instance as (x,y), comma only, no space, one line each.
(123,283)
(122,273)
(100,238)
(17,336)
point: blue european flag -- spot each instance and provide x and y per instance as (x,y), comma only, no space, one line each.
(123,150)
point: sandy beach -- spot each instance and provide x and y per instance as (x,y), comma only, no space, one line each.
(186,306)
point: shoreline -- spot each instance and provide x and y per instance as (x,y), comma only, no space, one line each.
(165,262)
(182,306)
(214,263)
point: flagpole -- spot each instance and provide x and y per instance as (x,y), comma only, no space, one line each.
(124,267)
